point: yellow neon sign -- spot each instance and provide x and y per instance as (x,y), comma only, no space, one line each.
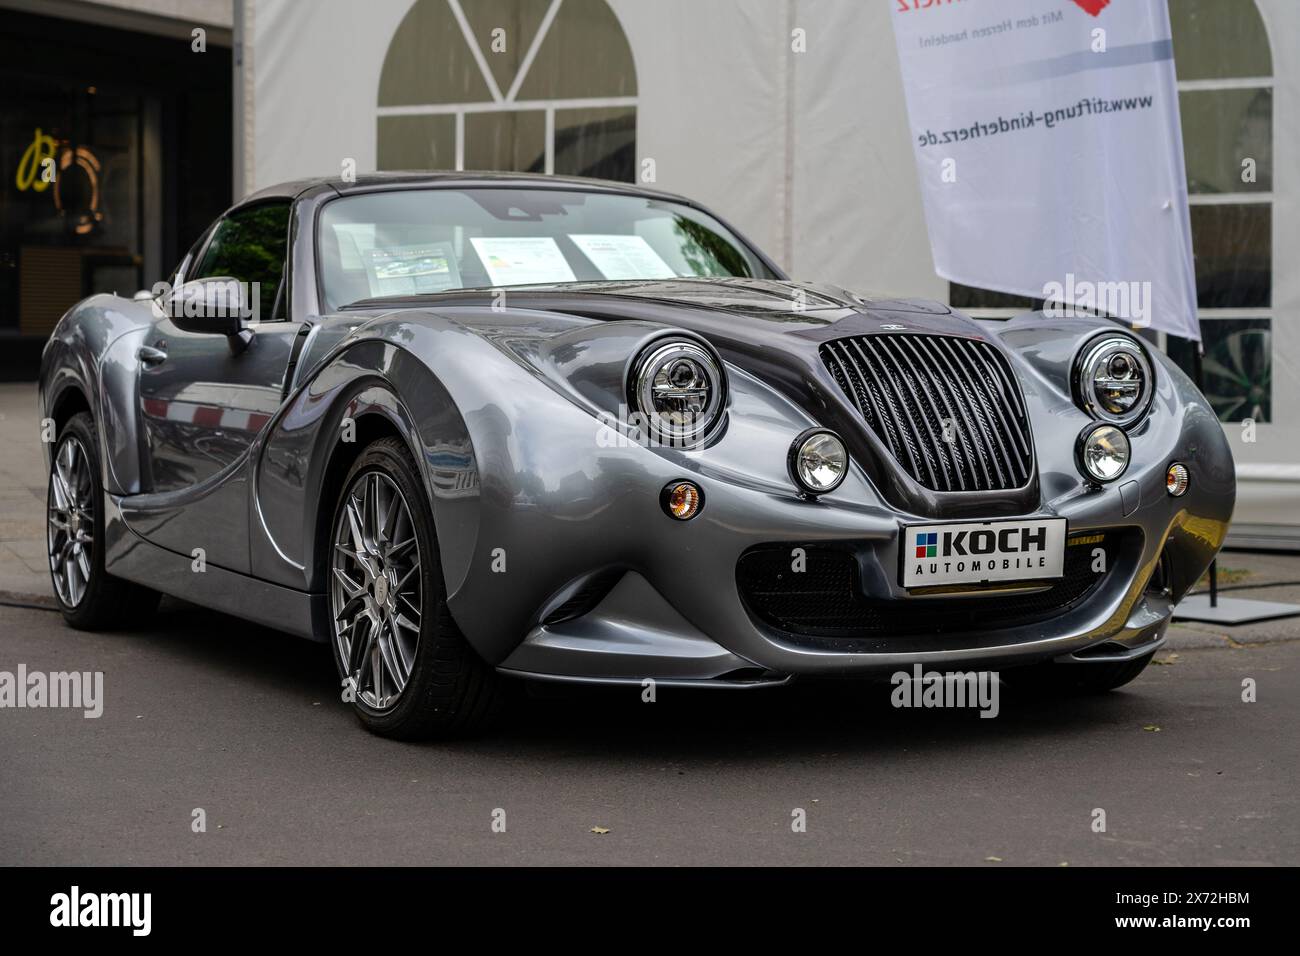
(41,149)
(40,156)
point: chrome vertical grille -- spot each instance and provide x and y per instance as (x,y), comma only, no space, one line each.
(949,409)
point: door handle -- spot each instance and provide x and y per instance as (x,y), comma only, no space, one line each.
(150,355)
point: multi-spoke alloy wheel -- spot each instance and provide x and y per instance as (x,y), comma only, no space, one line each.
(89,596)
(376,589)
(405,666)
(70,533)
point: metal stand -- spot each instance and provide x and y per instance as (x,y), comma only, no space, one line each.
(1209,608)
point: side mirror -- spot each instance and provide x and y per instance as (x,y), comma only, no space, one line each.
(214,306)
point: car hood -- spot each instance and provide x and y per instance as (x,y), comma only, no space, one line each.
(735,314)
(773,329)
(757,297)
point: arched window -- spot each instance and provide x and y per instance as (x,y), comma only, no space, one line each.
(527,85)
(1225,96)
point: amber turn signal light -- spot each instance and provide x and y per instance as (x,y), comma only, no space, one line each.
(1177,479)
(682,500)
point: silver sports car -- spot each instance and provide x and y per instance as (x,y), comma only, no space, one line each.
(464,427)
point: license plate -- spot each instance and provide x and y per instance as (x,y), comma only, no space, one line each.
(976,552)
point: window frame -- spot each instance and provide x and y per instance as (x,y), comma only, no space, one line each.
(1257,197)
(508,100)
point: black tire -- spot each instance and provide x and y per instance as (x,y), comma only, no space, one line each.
(106,602)
(1077,678)
(450,690)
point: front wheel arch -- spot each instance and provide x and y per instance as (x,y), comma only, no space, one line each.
(369,426)
(385,390)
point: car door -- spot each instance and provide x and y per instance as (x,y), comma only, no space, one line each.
(205,396)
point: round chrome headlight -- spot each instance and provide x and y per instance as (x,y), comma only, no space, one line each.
(1113,380)
(818,461)
(1104,452)
(679,389)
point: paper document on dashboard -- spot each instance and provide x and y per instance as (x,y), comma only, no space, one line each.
(412,270)
(522,260)
(623,257)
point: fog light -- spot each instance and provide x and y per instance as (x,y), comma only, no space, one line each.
(818,461)
(1177,479)
(1103,452)
(682,500)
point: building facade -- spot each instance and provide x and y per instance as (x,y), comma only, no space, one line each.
(108,116)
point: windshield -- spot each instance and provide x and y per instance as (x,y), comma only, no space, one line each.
(409,242)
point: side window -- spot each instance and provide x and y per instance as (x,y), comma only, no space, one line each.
(250,245)
(174,278)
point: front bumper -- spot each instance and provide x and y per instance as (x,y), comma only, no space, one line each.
(634,632)
(681,617)
(667,605)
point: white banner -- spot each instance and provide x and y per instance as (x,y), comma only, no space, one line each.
(1050,155)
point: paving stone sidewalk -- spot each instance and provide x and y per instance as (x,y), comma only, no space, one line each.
(24,575)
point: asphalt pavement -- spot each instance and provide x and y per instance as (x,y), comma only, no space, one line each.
(204,712)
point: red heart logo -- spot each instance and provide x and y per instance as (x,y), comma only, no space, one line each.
(1093,7)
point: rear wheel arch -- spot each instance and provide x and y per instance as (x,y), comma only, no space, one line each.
(71,400)
(95,373)
(66,401)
